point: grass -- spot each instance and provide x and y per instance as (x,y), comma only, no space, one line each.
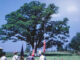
(60,56)
(56,58)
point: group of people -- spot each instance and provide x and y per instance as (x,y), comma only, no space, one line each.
(16,57)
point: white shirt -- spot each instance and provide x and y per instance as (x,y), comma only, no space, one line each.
(15,57)
(42,57)
(3,58)
(30,58)
(39,51)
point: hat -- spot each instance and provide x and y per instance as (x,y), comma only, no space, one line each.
(15,52)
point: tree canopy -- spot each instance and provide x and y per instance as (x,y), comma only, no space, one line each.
(32,23)
(75,42)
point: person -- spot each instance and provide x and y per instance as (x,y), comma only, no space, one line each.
(42,57)
(30,57)
(21,57)
(15,57)
(3,56)
(39,53)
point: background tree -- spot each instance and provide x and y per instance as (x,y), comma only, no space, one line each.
(32,24)
(75,42)
(28,49)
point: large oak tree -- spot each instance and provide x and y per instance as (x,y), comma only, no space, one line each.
(32,23)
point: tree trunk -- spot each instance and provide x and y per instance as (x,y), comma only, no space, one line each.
(36,48)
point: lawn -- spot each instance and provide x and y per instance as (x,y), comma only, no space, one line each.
(57,58)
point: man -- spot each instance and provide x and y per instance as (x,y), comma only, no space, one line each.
(3,56)
(30,57)
(39,52)
(42,57)
(15,57)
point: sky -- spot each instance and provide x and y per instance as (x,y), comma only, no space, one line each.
(67,8)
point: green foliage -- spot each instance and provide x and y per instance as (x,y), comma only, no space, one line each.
(25,20)
(28,48)
(75,42)
(1,51)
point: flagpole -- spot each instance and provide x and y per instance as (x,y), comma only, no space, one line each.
(44,42)
(33,51)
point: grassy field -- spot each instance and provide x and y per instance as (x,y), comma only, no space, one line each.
(57,58)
